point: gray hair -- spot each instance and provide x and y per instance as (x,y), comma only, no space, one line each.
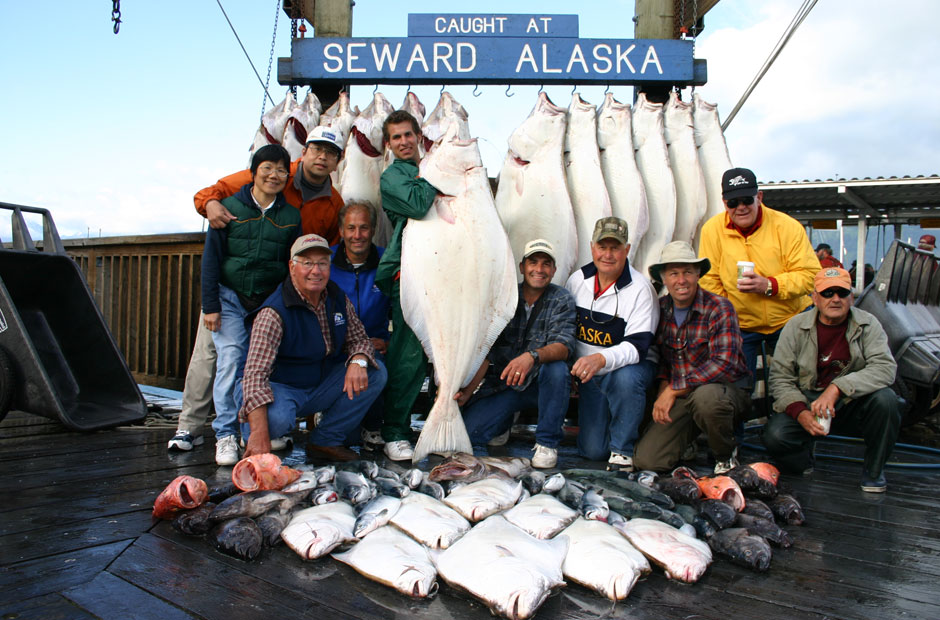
(365,204)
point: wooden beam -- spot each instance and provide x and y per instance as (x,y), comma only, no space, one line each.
(660,19)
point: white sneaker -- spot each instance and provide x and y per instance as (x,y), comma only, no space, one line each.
(500,440)
(544,457)
(400,450)
(226,450)
(723,467)
(371,439)
(619,462)
(184,441)
(278,443)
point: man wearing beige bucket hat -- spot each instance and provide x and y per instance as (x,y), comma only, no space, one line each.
(700,359)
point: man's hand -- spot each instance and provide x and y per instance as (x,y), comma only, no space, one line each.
(217,214)
(213,321)
(753,283)
(259,441)
(825,405)
(516,370)
(357,379)
(380,345)
(663,405)
(586,367)
(808,421)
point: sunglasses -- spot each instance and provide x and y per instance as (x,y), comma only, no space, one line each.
(734,202)
(841,292)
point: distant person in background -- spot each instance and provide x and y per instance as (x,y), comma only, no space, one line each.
(241,265)
(833,366)
(826,259)
(927,242)
(784,262)
(354,265)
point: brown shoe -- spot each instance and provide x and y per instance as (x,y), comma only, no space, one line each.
(330,453)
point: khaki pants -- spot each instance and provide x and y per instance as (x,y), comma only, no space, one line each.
(710,408)
(197,390)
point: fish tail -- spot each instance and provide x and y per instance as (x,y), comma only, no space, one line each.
(443,432)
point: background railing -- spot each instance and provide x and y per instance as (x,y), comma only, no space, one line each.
(147,288)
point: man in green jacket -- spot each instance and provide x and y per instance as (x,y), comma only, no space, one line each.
(404,196)
(832,365)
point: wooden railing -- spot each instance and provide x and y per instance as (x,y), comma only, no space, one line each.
(147,288)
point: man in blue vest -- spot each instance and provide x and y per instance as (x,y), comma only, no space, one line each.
(308,352)
(355,263)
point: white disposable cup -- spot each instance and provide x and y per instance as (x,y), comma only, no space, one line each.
(744,266)
(824,422)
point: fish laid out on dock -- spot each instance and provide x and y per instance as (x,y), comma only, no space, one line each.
(683,557)
(262,472)
(722,488)
(183,493)
(240,538)
(375,514)
(391,557)
(195,521)
(314,532)
(256,503)
(742,548)
(429,521)
(601,559)
(482,498)
(511,572)
(542,516)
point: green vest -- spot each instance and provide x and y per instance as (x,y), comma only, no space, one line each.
(257,248)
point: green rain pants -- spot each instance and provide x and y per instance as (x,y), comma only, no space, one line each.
(406,364)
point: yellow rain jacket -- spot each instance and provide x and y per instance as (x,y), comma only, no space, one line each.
(779,249)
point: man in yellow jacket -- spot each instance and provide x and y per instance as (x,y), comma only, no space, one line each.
(777,286)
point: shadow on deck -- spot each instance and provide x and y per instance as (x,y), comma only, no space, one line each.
(77,541)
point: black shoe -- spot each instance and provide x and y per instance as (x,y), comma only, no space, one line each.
(874,485)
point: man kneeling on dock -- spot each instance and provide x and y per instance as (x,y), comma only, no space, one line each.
(833,365)
(308,352)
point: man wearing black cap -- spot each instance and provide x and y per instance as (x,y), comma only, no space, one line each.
(826,259)
(774,281)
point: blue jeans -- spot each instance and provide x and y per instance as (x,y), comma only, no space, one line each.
(491,415)
(611,410)
(341,416)
(751,341)
(231,343)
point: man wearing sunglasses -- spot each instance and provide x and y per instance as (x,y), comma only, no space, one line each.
(777,287)
(833,366)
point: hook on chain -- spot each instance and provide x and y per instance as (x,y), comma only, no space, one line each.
(375,90)
(607,90)
(574,89)
(508,86)
(442,89)
(476,87)
(541,89)
(116,15)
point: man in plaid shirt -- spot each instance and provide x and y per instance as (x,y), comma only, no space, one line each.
(308,352)
(701,357)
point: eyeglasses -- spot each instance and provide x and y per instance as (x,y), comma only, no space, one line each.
(268,170)
(733,203)
(322,265)
(318,150)
(841,292)
(616,310)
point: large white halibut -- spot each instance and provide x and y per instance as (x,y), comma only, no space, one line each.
(586,185)
(691,199)
(458,282)
(624,183)
(532,196)
(652,159)
(712,155)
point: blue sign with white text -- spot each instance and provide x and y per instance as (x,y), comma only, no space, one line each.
(462,25)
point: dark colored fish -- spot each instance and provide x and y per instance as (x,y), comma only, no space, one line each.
(722,515)
(765,490)
(632,509)
(570,495)
(387,473)
(768,530)
(240,538)
(617,483)
(787,508)
(683,472)
(248,504)
(757,508)
(222,492)
(387,486)
(681,490)
(746,478)
(271,524)
(324,494)
(369,469)
(742,548)
(431,488)
(533,481)
(593,507)
(703,527)
(194,522)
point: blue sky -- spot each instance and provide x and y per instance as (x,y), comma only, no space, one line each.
(114,133)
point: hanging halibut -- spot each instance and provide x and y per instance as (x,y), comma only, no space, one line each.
(364,163)
(438,121)
(340,117)
(295,132)
(458,284)
(532,196)
(586,187)
(618,163)
(271,129)
(712,155)
(691,200)
(652,159)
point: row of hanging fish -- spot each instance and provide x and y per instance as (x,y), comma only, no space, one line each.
(494,527)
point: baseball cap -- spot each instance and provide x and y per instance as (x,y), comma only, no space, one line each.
(326,135)
(308,242)
(928,239)
(832,276)
(737,183)
(610,228)
(824,246)
(538,245)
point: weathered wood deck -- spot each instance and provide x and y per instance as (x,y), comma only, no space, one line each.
(77,541)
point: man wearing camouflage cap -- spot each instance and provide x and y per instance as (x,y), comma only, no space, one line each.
(617,314)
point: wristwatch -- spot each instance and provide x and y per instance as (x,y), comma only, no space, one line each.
(535,355)
(770,288)
(360,362)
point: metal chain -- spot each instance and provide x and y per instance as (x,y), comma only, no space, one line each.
(267,80)
(116,15)
(293,35)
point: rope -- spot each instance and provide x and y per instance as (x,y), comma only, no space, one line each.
(265,86)
(801,14)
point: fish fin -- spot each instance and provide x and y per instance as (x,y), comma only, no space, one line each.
(443,431)
(444,210)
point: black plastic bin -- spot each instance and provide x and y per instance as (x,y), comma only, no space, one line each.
(57,356)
